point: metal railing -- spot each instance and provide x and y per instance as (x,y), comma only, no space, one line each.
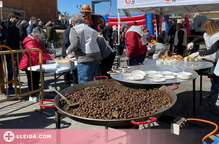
(5,50)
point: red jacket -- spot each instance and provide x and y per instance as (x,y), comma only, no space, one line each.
(134,45)
(29,43)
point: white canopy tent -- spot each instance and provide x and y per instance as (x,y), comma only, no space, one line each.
(168,6)
(161,7)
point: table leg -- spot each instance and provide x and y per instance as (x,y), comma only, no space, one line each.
(57,119)
(117,62)
(55,80)
(194,101)
(200,89)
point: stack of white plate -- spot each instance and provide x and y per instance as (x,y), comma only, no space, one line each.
(184,75)
(137,75)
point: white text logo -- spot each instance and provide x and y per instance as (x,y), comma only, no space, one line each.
(8,136)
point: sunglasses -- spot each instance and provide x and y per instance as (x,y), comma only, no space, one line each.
(17,17)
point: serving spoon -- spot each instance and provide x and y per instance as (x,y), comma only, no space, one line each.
(69,104)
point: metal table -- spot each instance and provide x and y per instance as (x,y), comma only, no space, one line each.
(151,65)
(52,68)
(198,65)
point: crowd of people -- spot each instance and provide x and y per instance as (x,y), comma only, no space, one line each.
(89,46)
(17,34)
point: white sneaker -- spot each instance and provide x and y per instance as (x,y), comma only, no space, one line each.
(30,98)
(34,99)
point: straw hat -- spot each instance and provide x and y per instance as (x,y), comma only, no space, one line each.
(85,8)
(48,23)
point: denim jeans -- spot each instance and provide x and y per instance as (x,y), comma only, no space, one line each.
(87,71)
(53,46)
(137,60)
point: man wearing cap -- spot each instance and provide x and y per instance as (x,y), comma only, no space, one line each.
(136,41)
(83,42)
(51,35)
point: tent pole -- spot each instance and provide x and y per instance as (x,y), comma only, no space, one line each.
(157,26)
(119,26)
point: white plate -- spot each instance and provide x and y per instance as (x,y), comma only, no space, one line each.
(166,72)
(184,73)
(113,73)
(169,77)
(175,74)
(150,72)
(160,80)
(182,77)
(155,75)
(136,77)
(125,68)
(138,72)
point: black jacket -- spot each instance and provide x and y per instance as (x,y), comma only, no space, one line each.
(107,32)
(3,37)
(115,36)
(172,31)
(66,41)
(13,40)
(22,32)
(180,38)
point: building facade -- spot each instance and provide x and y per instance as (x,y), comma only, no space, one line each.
(44,9)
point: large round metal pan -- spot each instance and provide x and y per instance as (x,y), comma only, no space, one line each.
(108,122)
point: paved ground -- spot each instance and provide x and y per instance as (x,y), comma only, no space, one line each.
(15,114)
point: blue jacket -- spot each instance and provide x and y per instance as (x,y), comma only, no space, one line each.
(30,28)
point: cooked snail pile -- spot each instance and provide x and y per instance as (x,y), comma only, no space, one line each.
(116,102)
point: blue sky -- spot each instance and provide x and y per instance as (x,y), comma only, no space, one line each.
(101,8)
